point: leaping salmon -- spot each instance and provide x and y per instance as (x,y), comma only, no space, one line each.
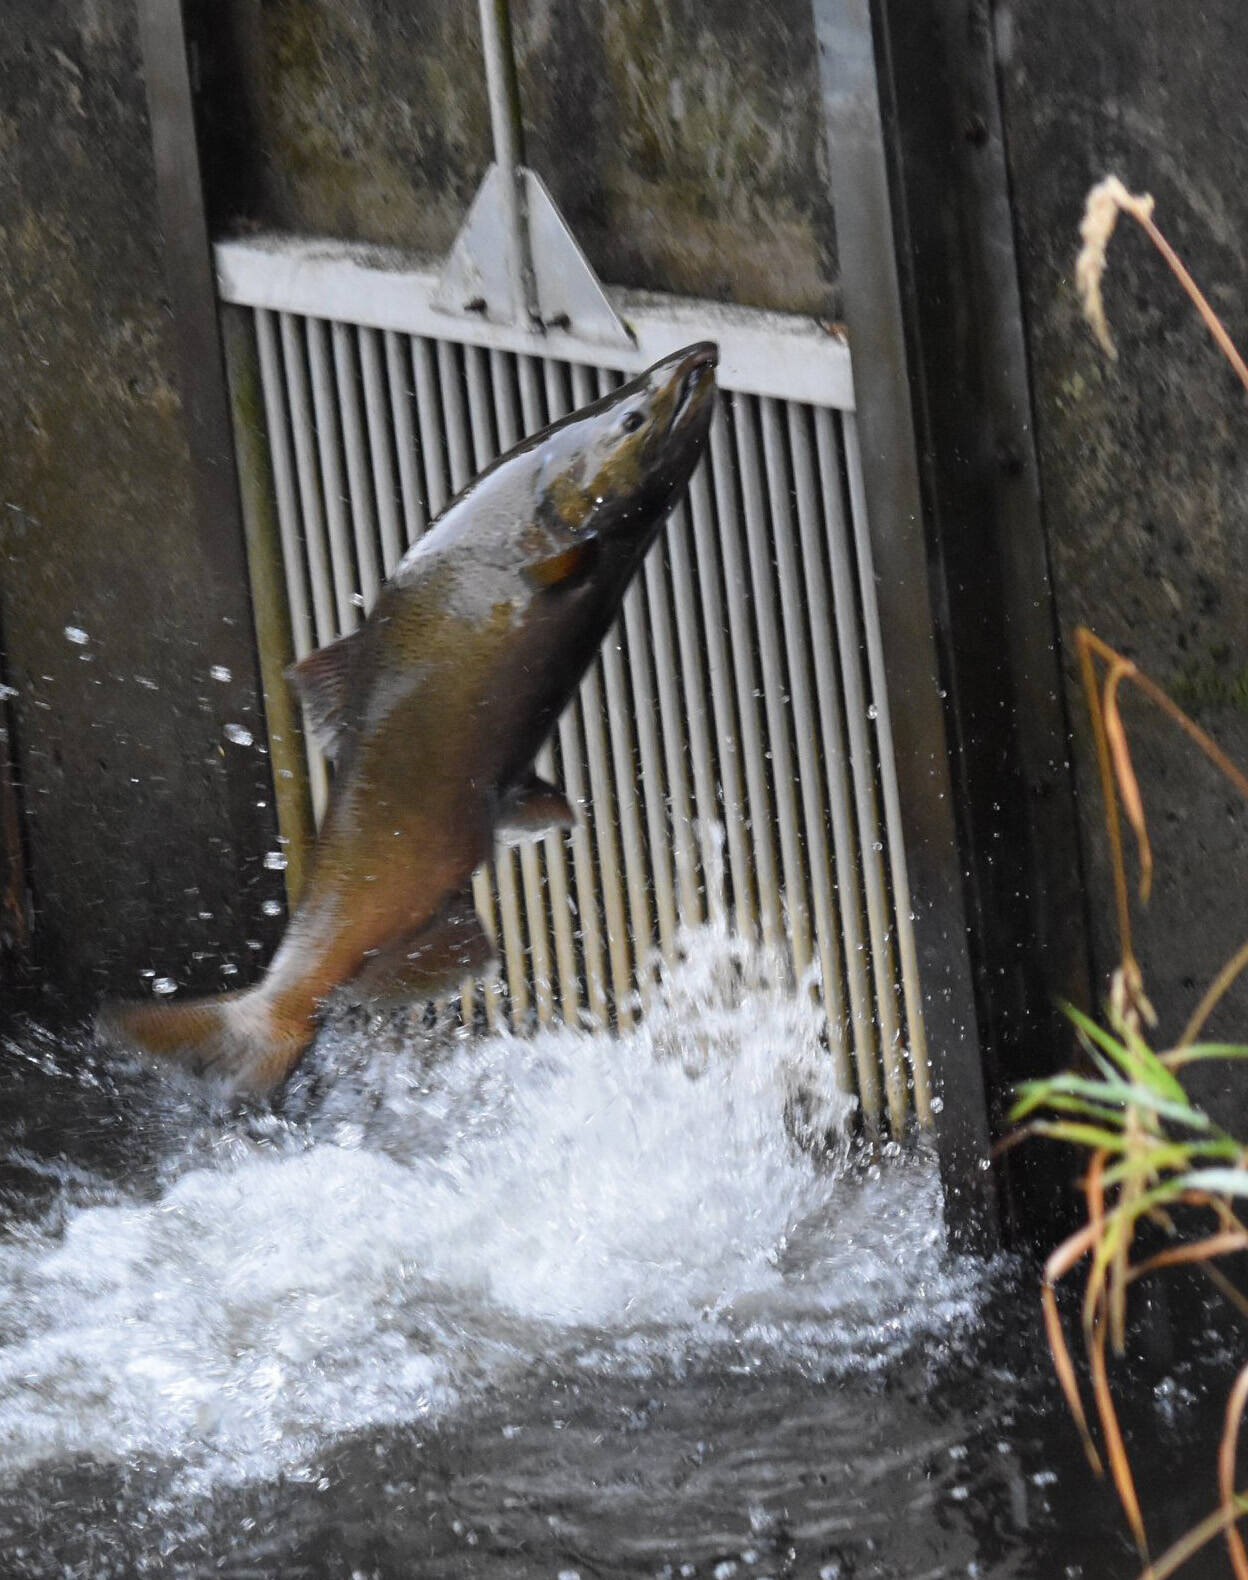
(432,713)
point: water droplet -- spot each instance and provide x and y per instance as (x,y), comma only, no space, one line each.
(254,943)
(938,1105)
(164,986)
(239,734)
(275,861)
(272,907)
(358,600)
(6,692)
(75,634)
(872,711)
(220,672)
(229,969)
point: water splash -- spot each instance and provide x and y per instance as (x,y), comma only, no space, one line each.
(428,1214)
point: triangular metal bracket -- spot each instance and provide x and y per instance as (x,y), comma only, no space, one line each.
(482,276)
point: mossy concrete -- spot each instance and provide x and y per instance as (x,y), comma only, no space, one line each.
(1145,461)
(133,865)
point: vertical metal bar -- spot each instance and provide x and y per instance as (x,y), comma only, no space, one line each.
(593,714)
(667,571)
(792,603)
(862,767)
(773,672)
(246,783)
(269,596)
(641,632)
(920,1067)
(620,715)
(832,753)
(428,405)
(378,421)
(341,553)
(530,871)
(503,91)
(357,465)
(861,197)
(288,522)
(466,431)
(414,517)
(735,590)
(572,756)
(552,845)
(312,517)
(706,538)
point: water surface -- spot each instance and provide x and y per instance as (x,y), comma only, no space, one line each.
(572,1305)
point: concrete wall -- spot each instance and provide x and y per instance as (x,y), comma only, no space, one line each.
(1144,463)
(682,139)
(135,857)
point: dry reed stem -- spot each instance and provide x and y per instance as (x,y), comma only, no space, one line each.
(1086,644)
(1128,784)
(1115,1448)
(1213,995)
(1103,204)
(1199,1536)
(1226,1472)
(1056,1267)
(1197,1251)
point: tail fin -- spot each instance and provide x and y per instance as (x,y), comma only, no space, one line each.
(235,1038)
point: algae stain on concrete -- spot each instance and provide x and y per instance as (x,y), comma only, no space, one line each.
(371,118)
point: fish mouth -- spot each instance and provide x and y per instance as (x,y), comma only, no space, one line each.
(694,377)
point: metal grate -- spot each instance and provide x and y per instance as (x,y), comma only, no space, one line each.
(741,691)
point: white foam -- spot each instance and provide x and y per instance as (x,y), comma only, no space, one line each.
(429,1226)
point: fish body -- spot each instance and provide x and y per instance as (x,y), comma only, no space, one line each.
(432,713)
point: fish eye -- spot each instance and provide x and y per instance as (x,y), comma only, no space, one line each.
(632,421)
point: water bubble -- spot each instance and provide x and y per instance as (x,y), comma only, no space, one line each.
(164,986)
(272,907)
(75,634)
(239,734)
(275,861)
(220,672)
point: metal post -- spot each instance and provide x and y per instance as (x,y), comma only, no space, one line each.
(868,258)
(503,90)
(192,291)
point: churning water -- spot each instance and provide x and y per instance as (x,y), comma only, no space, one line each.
(572,1305)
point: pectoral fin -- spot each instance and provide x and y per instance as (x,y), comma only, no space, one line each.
(566,565)
(424,964)
(322,680)
(530,810)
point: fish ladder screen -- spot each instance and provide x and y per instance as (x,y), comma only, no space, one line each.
(724,754)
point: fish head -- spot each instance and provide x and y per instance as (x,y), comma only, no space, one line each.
(609,474)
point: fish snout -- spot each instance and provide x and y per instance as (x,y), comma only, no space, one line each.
(689,376)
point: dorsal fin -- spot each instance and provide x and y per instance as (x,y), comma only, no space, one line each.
(322,680)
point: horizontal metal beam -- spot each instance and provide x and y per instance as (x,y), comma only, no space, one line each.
(776,354)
